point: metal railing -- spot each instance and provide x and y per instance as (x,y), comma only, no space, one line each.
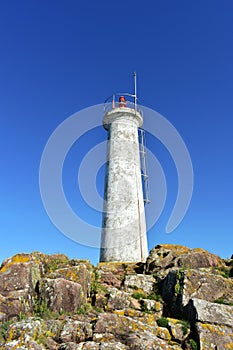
(131,101)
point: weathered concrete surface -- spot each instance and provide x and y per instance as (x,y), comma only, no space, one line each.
(124,226)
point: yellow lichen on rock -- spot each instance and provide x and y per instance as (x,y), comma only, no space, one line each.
(163,333)
(16,259)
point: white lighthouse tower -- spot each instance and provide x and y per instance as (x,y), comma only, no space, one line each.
(124,226)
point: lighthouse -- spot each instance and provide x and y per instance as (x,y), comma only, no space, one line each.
(123,236)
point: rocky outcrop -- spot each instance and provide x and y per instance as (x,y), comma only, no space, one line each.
(166,256)
(180,298)
(182,285)
(18,279)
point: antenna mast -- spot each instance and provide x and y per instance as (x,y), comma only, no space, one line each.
(135,91)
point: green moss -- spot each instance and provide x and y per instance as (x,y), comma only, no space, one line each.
(185,326)
(179,277)
(3,329)
(155,296)
(223,301)
(138,295)
(54,264)
(162,322)
(42,310)
(22,316)
(223,271)
(193,344)
(84,309)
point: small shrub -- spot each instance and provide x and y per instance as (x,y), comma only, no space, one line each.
(177,288)
(83,310)
(154,296)
(162,322)
(179,275)
(3,329)
(222,301)
(225,272)
(42,310)
(219,301)
(98,309)
(138,295)
(185,326)
(22,316)
(193,344)
(54,264)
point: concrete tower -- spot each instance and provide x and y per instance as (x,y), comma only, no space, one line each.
(124,225)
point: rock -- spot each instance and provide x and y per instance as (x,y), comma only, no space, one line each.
(75,331)
(114,306)
(110,274)
(163,333)
(118,299)
(182,285)
(152,305)
(178,329)
(31,328)
(23,345)
(24,334)
(71,346)
(103,337)
(18,278)
(53,328)
(214,336)
(90,345)
(166,256)
(81,273)
(207,312)
(143,282)
(119,325)
(100,300)
(113,345)
(204,285)
(134,303)
(61,294)
(147,341)
(49,343)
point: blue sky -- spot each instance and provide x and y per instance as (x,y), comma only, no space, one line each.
(58,57)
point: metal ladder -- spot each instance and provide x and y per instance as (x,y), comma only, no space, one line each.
(145,178)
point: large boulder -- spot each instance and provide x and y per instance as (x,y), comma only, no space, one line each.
(18,279)
(206,312)
(61,295)
(81,273)
(182,285)
(166,256)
